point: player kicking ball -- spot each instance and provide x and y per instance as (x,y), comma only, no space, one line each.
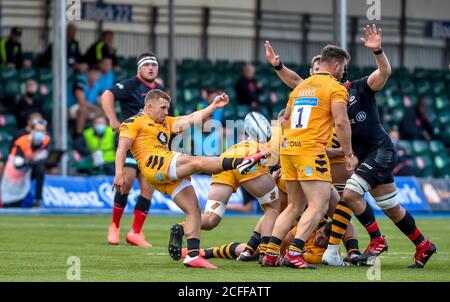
(147,134)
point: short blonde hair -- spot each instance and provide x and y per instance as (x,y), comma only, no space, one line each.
(156,94)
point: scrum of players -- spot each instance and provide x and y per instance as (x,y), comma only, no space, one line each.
(309,172)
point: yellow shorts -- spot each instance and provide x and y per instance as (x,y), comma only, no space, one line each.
(234,179)
(155,168)
(305,167)
(170,188)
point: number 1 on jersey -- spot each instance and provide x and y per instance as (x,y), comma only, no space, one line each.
(302,112)
(300,117)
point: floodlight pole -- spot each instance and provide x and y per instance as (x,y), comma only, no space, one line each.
(59,69)
(343,23)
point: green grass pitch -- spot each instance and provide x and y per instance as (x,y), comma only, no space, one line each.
(36,248)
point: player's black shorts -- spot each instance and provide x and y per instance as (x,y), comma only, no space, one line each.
(130,161)
(376,167)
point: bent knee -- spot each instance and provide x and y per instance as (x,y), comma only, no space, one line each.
(349,196)
(210,221)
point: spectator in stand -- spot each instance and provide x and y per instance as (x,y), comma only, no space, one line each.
(11,50)
(207,140)
(102,48)
(84,100)
(29,103)
(107,77)
(98,143)
(26,161)
(404,166)
(74,57)
(415,124)
(248,89)
(29,126)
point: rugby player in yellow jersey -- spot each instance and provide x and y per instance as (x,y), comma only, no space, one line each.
(147,134)
(258,182)
(313,106)
(339,174)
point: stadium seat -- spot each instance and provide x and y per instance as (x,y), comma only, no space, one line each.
(446,133)
(191,95)
(437,147)
(242,110)
(8,122)
(420,74)
(406,145)
(438,87)
(406,87)
(420,148)
(45,75)
(4,152)
(441,103)
(223,66)
(8,74)
(277,107)
(5,136)
(394,101)
(229,113)
(444,118)
(442,165)
(423,166)
(423,87)
(26,74)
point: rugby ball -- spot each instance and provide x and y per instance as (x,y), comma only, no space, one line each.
(257,127)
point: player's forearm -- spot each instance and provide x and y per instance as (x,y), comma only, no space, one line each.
(344,134)
(121,155)
(107,102)
(200,116)
(289,77)
(334,152)
(383,65)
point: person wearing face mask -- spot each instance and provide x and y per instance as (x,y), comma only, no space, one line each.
(26,161)
(29,103)
(98,143)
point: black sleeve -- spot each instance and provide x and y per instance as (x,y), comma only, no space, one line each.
(122,89)
(363,87)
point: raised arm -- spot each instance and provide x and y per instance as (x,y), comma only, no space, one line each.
(198,117)
(378,78)
(288,76)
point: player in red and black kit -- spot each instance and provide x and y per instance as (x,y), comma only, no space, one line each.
(131,94)
(377,157)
